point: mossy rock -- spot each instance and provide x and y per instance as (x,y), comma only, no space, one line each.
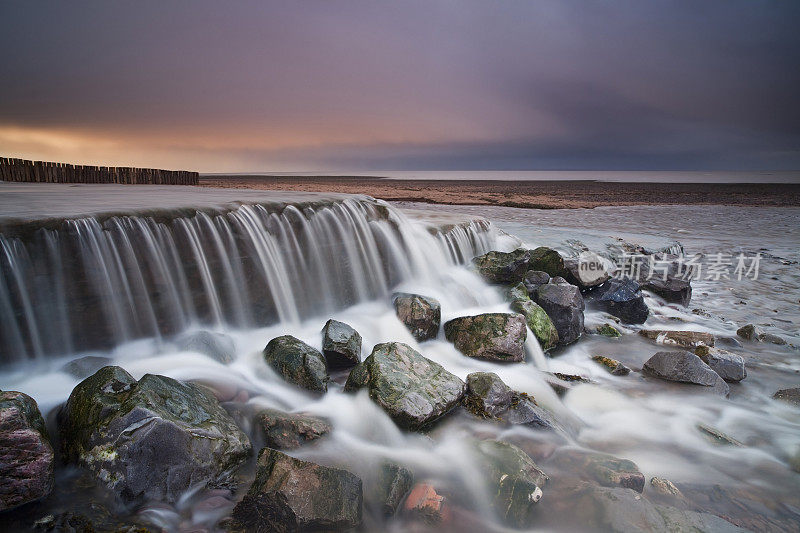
(547,260)
(607,330)
(151,439)
(539,323)
(492,336)
(503,267)
(298,363)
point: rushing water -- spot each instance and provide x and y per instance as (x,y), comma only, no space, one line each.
(256,272)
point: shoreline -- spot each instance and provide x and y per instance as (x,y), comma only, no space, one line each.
(524,194)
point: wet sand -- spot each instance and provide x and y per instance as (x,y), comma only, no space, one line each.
(530,194)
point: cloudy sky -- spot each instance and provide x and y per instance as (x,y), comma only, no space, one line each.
(403,85)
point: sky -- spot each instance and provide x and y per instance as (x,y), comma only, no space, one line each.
(403,85)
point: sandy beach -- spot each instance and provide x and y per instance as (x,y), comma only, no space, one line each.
(528,194)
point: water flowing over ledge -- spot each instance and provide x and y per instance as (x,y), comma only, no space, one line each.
(91,273)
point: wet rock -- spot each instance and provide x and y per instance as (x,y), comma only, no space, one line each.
(612,365)
(684,339)
(217,346)
(564,305)
(602,468)
(289,494)
(547,260)
(517,292)
(750,332)
(289,430)
(539,323)
(607,330)
(533,279)
(394,482)
(717,437)
(513,480)
(151,439)
(791,396)
(426,505)
(503,267)
(623,299)
(341,345)
(772,339)
(488,397)
(665,487)
(297,363)
(586,271)
(623,511)
(673,289)
(729,366)
(492,336)
(26,456)
(84,367)
(685,367)
(420,314)
(412,389)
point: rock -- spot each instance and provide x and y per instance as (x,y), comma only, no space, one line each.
(84,367)
(665,487)
(217,346)
(612,365)
(413,390)
(297,363)
(673,289)
(586,271)
(420,314)
(684,339)
(425,504)
(26,456)
(773,339)
(623,511)
(394,482)
(750,332)
(341,345)
(492,336)
(289,430)
(547,260)
(791,396)
(564,305)
(151,439)
(539,323)
(718,437)
(729,366)
(488,397)
(623,299)
(602,468)
(607,330)
(289,494)
(517,292)
(533,279)
(685,367)
(513,480)
(502,267)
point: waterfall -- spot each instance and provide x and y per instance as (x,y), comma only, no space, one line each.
(91,283)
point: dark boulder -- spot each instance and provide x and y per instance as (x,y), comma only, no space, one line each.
(26,456)
(488,396)
(420,314)
(547,260)
(151,439)
(685,367)
(623,299)
(297,363)
(290,430)
(503,267)
(341,345)
(791,396)
(392,485)
(291,495)
(533,279)
(412,389)
(492,336)
(564,304)
(673,290)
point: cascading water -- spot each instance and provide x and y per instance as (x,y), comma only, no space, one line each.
(94,283)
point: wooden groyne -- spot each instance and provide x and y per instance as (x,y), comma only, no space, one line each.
(23,170)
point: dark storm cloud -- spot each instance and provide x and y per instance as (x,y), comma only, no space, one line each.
(404,85)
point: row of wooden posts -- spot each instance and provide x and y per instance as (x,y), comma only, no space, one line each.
(23,170)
